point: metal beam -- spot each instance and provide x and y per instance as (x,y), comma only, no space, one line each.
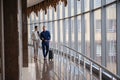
(103,34)
(118,37)
(82,28)
(92,34)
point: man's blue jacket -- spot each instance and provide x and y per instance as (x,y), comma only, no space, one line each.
(45,35)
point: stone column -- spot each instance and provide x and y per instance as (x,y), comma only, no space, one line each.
(24,33)
(11,39)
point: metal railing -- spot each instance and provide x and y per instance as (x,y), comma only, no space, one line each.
(78,57)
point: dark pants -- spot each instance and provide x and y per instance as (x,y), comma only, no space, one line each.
(45,48)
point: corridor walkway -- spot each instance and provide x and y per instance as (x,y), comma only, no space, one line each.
(60,68)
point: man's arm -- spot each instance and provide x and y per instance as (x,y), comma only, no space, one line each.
(41,36)
(49,36)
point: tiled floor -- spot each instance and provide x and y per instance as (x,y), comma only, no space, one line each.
(60,68)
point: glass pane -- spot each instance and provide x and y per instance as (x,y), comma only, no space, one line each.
(97,3)
(109,1)
(87,34)
(50,13)
(41,25)
(46,25)
(72,32)
(56,31)
(69,8)
(36,18)
(41,16)
(111,37)
(66,10)
(32,17)
(61,9)
(31,28)
(46,16)
(51,30)
(72,7)
(55,13)
(86,5)
(79,32)
(97,30)
(78,6)
(61,31)
(66,31)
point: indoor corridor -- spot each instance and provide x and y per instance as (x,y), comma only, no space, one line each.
(84,37)
(60,68)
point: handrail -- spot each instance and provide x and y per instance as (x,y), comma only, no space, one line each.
(114,75)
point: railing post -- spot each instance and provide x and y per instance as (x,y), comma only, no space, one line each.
(91,68)
(100,74)
(84,62)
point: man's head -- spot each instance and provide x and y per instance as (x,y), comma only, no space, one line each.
(36,28)
(44,29)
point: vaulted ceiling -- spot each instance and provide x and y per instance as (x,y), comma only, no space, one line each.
(37,5)
(33,2)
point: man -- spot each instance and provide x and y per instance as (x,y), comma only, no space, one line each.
(35,38)
(45,37)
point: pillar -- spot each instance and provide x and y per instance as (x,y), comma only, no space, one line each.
(118,38)
(24,33)
(11,42)
(1,42)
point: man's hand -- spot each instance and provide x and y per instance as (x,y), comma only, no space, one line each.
(46,40)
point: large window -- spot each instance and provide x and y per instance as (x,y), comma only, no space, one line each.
(111,37)
(56,31)
(79,32)
(72,32)
(66,27)
(97,33)
(61,10)
(61,31)
(83,22)
(87,34)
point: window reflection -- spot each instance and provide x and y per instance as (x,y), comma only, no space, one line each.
(97,30)
(56,31)
(66,10)
(79,32)
(97,3)
(66,27)
(109,1)
(111,37)
(78,6)
(87,34)
(72,7)
(72,32)
(61,31)
(87,5)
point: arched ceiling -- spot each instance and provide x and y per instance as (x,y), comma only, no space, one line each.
(33,2)
(37,5)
